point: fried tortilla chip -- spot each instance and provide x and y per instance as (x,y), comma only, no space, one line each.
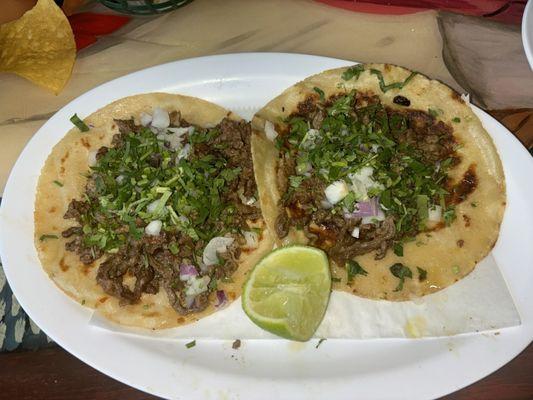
(39,46)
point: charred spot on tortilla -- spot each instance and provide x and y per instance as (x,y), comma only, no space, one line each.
(372,167)
(401,100)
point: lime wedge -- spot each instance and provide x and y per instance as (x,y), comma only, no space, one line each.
(288,291)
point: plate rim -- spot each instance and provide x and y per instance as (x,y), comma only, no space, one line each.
(527,37)
(113,82)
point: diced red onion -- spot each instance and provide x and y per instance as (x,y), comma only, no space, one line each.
(221,298)
(187,271)
(368,208)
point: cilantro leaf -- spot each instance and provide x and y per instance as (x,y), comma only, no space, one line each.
(79,123)
(422,274)
(395,85)
(353,72)
(398,249)
(42,238)
(401,272)
(353,268)
(320,93)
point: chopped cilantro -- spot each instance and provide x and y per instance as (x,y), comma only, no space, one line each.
(455,269)
(190,344)
(449,215)
(46,237)
(79,123)
(353,72)
(320,93)
(473,204)
(456,120)
(422,274)
(395,85)
(353,268)
(320,341)
(58,183)
(401,272)
(83,302)
(434,113)
(335,279)
(295,181)
(173,247)
(398,249)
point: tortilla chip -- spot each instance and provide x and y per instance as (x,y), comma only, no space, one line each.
(39,46)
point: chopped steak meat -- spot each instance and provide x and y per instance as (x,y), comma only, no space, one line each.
(145,264)
(303,207)
(433,140)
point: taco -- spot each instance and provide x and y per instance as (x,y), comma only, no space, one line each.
(148,210)
(389,172)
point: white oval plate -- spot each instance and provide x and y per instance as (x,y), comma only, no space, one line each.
(527,32)
(262,369)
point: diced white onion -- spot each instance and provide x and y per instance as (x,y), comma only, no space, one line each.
(120,179)
(152,206)
(355,232)
(181,131)
(189,301)
(145,119)
(244,200)
(184,152)
(435,213)
(308,142)
(175,137)
(160,118)
(337,191)
(218,244)
(270,132)
(153,228)
(362,182)
(466,97)
(92,158)
(196,285)
(252,239)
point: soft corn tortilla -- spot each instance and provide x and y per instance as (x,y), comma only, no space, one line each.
(67,164)
(440,254)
